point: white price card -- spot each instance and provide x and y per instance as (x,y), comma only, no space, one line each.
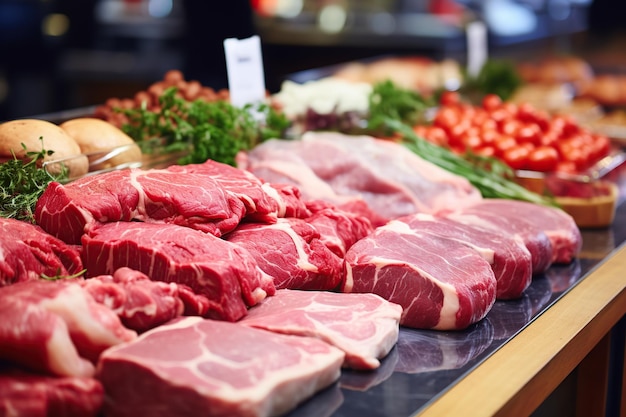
(244,64)
(476,33)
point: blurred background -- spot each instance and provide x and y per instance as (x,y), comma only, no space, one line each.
(64,54)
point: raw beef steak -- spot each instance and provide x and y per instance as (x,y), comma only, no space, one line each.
(364,326)
(141,303)
(194,365)
(263,202)
(560,227)
(291,252)
(222,271)
(509,258)
(532,234)
(33,395)
(156,195)
(440,284)
(56,327)
(339,229)
(339,168)
(27,252)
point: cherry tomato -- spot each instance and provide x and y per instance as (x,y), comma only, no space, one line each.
(491,102)
(543,159)
(529,133)
(449,98)
(485,150)
(516,157)
(446,117)
(503,143)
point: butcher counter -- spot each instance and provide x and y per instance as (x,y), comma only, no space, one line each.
(569,325)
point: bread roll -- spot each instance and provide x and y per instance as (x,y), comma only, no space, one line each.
(35,135)
(96,135)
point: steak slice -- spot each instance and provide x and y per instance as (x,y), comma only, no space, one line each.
(509,258)
(291,252)
(32,395)
(156,195)
(141,303)
(56,327)
(500,221)
(440,284)
(391,179)
(226,274)
(364,326)
(561,229)
(223,368)
(27,252)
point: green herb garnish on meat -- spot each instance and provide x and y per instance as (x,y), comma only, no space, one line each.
(23,182)
(202,130)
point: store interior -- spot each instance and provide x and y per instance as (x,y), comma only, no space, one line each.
(60,54)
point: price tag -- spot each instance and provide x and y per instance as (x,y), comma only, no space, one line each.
(244,63)
(476,33)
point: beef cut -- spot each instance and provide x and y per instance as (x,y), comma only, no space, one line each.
(291,252)
(193,365)
(339,229)
(142,303)
(560,228)
(364,326)
(263,201)
(509,258)
(32,395)
(56,327)
(338,168)
(440,284)
(156,195)
(501,221)
(27,252)
(226,274)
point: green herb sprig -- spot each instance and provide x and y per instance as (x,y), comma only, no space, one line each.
(489,176)
(202,130)
(23,182)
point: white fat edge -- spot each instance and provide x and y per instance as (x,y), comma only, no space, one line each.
(141,203)
(305,178)
(73,306)
(63,356)
(275,195)
(303,262)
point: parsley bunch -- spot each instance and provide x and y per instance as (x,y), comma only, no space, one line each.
(22,183)
(202,130)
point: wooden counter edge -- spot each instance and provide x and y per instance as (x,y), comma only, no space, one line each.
(518,377)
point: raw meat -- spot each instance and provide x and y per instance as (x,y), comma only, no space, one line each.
(263,202)
(27,252)
(441,284)
(56,327)
(223,272)
(500,221)
(364,326)
(141,303)
(509,258)
(560,227)
(291,252)
(156,195)
(338,168)
(339,229)
(33,395)
(193,365)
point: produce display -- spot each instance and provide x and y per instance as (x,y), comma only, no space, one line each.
(318,254)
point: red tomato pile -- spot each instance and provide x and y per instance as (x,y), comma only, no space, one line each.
(521,136)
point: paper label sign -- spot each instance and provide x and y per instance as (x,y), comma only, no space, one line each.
(244,63)
(476,33)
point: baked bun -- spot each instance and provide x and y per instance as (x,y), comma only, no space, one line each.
(96,135)
(35,135)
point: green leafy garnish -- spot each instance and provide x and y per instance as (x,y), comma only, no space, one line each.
(489,176)
(23,182)
(388,101)
(498,77)
(60,276)
(202,130)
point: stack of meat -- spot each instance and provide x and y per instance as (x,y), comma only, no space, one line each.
(310,264)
